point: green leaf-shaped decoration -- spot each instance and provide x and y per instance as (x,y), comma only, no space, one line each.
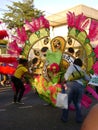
(37,33)
(87,40)
(27,42)
(81,37)
(92,54)
(91,71)
(69,28)
(77,32)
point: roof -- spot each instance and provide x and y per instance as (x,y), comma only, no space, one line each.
(60,18)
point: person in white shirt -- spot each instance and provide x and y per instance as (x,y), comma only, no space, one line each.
(74,89)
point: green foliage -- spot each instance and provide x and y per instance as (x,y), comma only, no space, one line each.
(19,12)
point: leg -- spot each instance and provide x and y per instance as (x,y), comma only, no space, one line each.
(64,116)
(78,91)
(78,111)
(22,89)
(65,112)
(96,87)
(16,83)
(16,94)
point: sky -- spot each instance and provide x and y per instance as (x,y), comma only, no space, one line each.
(54,6)
(51,6)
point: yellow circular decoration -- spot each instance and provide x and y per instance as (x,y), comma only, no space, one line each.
(58,43)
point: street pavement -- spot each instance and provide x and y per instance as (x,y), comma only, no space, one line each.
(34,114)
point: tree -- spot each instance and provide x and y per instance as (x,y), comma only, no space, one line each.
(19,12)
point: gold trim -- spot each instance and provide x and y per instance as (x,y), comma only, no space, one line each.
(3,42)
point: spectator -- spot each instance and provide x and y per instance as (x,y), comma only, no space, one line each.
(75,89)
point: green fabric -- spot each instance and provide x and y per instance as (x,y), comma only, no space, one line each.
(55,79)
(54,57)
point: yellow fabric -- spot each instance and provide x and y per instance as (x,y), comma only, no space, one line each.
(20,71)
(76,76)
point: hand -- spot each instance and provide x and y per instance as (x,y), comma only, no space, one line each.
(65,86)
(54,84)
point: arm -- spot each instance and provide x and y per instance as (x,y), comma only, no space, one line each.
(91,121)
(29,75)
(68,72)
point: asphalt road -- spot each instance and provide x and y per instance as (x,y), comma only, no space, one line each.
(34,114)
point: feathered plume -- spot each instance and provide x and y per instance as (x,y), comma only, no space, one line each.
(3,34)
(95,67)
(37,23)
(21,32)
(93,30)
(13,48)
(71,19)
(79,20)
(96,51)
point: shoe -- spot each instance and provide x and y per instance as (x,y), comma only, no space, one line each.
(46,104)
(19,102)
(13,102)
(64,121)
(2,83)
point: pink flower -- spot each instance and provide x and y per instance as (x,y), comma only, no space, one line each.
(96,51)
(54,66)
(95,67)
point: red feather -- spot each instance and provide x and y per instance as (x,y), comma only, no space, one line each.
(3,34)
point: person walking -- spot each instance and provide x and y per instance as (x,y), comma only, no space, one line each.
(74,89)
(19,74)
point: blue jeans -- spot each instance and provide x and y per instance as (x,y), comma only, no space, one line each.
(75,91)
